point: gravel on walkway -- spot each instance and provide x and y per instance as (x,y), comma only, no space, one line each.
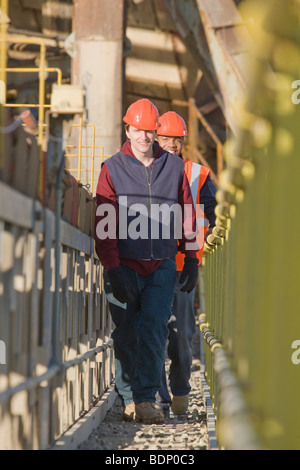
(186,432)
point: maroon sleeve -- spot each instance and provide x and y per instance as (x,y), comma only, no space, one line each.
(106,221)
(187,244)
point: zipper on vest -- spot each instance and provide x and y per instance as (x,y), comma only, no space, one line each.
(149,177)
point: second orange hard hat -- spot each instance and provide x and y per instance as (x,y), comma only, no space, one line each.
(142,114)
(171,124)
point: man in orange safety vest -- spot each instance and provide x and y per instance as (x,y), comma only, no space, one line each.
(170,136)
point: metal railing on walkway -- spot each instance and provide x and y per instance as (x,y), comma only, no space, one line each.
(81,156)
(251,322)
(58,359)
(56,356)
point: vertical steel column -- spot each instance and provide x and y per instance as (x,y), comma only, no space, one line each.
(98,66)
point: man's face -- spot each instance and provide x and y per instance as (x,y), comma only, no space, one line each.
(141,140)
(171,144)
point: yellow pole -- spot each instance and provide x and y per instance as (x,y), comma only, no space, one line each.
(41,91)
(41,117)
(35,69)
(3,31)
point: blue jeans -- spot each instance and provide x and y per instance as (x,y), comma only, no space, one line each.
(181,330)
(141,333)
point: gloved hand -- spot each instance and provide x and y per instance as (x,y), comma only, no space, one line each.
(189,274)
(121,287)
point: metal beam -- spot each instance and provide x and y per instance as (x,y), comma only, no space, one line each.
(185,15)
(97,65)
(228,41)
(218,39)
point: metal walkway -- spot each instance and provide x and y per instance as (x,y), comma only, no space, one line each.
(188,432)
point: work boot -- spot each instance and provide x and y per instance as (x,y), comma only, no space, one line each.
(128,412)
(180,405)
(149,413)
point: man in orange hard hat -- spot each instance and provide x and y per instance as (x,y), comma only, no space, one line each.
(139,262)
(170,136)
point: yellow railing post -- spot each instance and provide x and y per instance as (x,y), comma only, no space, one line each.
(41,92)
(3,31)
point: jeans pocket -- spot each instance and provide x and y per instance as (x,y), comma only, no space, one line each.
(172,262)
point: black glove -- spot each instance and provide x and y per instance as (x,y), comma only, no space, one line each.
(189,274)
(121,287)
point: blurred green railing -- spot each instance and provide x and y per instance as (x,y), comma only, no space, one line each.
(251,322)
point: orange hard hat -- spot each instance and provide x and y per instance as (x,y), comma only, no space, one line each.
(171,124)
(142,114)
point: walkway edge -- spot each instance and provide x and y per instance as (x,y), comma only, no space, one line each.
(210,416)
(81,430)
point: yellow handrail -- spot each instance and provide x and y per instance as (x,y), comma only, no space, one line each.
(80,155)
(41,69)
(41,105)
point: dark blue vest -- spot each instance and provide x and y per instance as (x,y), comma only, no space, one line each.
(146,227)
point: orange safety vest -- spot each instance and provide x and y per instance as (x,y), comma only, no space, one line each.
(196,175)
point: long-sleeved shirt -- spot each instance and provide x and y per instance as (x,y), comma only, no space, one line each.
(208,199)
(107,249)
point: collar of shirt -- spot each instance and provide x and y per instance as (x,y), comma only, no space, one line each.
(157,150)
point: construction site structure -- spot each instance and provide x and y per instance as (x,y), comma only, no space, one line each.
(68,72)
